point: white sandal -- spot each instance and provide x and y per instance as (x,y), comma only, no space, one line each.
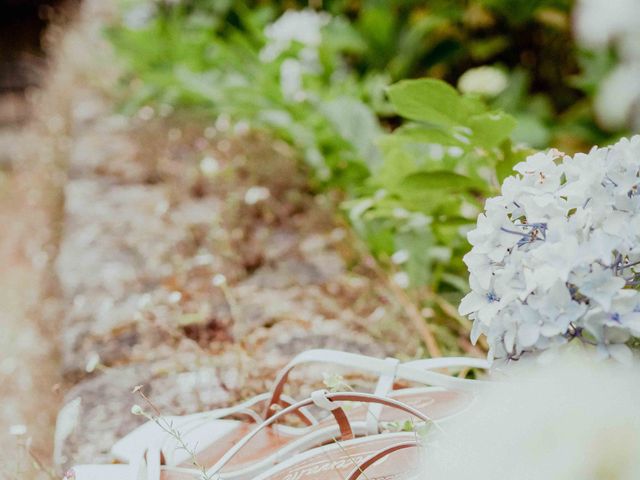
(447,396)
(342,435)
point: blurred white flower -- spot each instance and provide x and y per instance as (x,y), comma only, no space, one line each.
(598,23)
(485,80)
(219,280)
(209,166)
(303,26)
(573,418)
(617,102)
(400,257)
(614,24)
(256,194)
(557,255)
(401,279)
(291,71)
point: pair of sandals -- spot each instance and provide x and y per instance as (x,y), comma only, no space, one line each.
(343,443)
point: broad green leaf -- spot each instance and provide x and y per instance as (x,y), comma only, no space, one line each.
(531,131)
(356,123)
(396,165)
(512,157)
(439,180)
(432,101)
(419,133)
(490,129)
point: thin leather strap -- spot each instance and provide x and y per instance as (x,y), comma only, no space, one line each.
(411,371)
(359,470)
(333,397)
(335,357)
(320,400)
(451,363)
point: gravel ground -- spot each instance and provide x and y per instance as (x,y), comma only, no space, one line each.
(190,257)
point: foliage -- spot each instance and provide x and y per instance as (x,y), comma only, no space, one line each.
(436,171)
(414,160)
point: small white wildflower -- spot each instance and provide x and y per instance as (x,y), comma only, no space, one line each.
(137,410)
(209,166)
(256,194)
(400,257)
(335,382)
(401,279)
(485,80)
(219,280)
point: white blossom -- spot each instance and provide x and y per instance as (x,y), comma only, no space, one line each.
(556,256)
(401,279)
(256,194)
(485,80)
(614,24)
(303,28)
(400,257)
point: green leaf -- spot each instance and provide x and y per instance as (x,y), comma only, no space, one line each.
(357,124)
(439,180)
(432,101)
(490,129)
(512,157)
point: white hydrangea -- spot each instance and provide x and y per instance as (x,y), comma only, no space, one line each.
(557,255)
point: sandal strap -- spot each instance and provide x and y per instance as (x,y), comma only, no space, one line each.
(359,470)
(383,387)
(338,413)
(417,370)
(450,363)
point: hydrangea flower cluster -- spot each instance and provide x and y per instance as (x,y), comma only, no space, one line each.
(557,255)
